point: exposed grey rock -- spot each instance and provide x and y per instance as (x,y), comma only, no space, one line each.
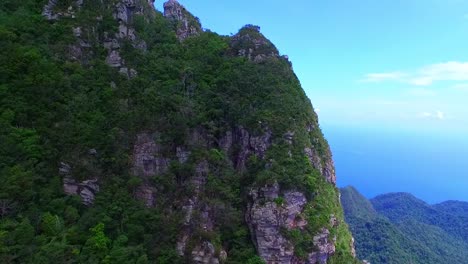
(201,172)
(182,244)
(334,221)
(75,52)
(326,248)
(248,144)
(130,73)
(251,44)
(329,171)
(310,128)
(50,14)
(64,169)
(86,189)
(187,25)
(92,152)
(126,32)
(266,219)
(225,143)
(289,137)
(123,11)
(353,248)
(197,182)
(314,158)
(147,157)
(147,162)
(327,168)
(182,154)
(112,44)
(204,254)
(77,32)
(113,59)
(188,208)
(295,202)
(223,256)
(48,10)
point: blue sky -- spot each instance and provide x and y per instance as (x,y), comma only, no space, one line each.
(388,63)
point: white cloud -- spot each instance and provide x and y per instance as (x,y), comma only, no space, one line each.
(439,115)
(425,76)
(380,77)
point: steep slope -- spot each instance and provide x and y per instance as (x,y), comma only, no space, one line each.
(131,136)
(456,208)
(401,238)
(399,207)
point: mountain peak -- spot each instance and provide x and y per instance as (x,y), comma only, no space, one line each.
(186,25)
(249,42)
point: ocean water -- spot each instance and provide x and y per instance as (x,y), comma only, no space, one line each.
(431,166)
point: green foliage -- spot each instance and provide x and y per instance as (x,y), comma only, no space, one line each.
(54,109)
(396,232)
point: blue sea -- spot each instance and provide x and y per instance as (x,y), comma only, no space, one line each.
(431,166)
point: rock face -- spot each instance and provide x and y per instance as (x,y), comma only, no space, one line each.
(266,218)
(186,24)
(248,145)
(147,157)
(270,211)
(51,12)
(250,43)
(147,162)
(327,168)
(204,254)
(124,13)
(86,189)
(326,248)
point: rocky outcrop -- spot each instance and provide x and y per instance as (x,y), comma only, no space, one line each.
(246,145)
(52,13)
(124,13)
(267,218)
(251,44)
(325,248)
(148,159)
(326,168)
(87,189)
(186,24)
(269,214)
(182,154)
(204,254)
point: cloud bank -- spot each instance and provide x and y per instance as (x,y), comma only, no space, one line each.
(424,76)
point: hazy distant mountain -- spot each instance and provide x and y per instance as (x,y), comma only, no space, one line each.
(400,228)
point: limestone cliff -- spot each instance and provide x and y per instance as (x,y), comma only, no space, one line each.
(186,24)
(211,135)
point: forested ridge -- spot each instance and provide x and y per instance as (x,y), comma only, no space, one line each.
(399,228)
(128,136)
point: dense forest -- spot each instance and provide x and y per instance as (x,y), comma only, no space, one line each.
(399,228)
(78,107)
